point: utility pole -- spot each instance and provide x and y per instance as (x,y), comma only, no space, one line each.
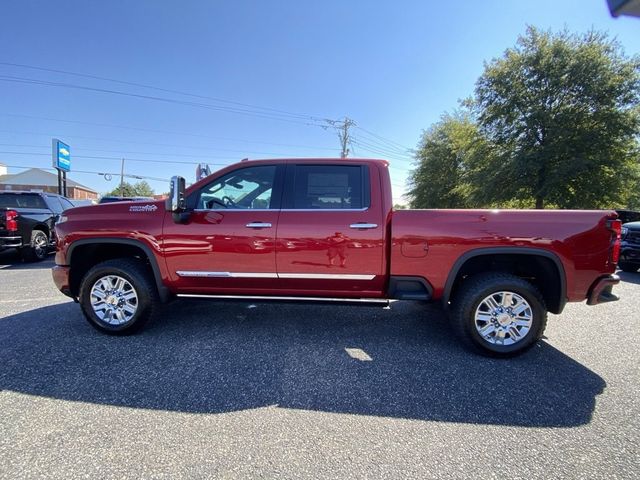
(343,134)
(122,178)
(342,127)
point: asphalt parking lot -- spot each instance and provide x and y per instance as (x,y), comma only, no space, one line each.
(241,390)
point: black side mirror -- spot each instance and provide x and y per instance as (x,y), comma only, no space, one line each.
(176,203)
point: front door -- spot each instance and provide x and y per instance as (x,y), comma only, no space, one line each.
(228,242)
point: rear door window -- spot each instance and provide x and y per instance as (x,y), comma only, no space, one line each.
(330,187)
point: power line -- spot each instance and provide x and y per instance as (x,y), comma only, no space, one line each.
(128,152)
(385,154)
(112,174)
(92,157)
(248,109)
(373,148)
(380,137)
(164,132)
(342,127)
(240,111)
(160,89)
(383,146)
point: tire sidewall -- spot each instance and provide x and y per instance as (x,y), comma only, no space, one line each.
(144,299)
(523,289)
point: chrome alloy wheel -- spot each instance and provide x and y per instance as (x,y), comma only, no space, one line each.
(40,244)
(503,318)
(114,300)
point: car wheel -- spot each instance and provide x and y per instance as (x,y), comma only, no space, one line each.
(118,296)
(498,314)
(38,248)
(628,267)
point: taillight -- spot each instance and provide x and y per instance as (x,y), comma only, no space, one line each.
(616,228)
(11,223)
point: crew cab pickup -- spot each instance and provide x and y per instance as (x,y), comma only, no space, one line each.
(27,220)
(324,229)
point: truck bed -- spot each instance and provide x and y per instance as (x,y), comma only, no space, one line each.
(433,241)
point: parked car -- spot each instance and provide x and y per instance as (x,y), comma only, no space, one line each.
(297,230)
(630,247)
(27,221)
(110,199)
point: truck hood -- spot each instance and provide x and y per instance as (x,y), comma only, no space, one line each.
(118,208)
(119,219)
(632,226)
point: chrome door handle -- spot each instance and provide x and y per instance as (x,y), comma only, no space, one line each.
(363,225)
(258,225)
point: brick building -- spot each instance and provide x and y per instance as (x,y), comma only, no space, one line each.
(39,180)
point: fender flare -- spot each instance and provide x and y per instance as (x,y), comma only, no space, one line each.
(163,291)
(532,251)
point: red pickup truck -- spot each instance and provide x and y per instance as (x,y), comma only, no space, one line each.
(325,230)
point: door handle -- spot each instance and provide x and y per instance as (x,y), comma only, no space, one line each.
(363,225)
(258,225)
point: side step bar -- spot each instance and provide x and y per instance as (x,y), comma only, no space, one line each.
(377,302)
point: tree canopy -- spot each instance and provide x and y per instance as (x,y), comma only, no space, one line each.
(553,122)
(138,189)
(444,155)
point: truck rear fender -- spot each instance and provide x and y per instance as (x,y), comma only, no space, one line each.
(542,268)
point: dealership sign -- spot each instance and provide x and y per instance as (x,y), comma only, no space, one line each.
(61,155)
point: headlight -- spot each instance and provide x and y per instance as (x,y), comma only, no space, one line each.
(624,231)
(62,219)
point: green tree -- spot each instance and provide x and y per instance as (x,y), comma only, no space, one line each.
(138,189)
(444,156)
(562,114)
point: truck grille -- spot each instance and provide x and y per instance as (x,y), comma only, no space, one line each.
(633,236)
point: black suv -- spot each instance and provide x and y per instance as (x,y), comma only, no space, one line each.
(630,248)
(27,220)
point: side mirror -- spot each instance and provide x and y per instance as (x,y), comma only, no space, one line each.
(176,202)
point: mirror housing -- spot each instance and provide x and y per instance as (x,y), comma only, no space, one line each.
(176,203)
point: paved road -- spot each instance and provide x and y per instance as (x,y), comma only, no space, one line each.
(237,390)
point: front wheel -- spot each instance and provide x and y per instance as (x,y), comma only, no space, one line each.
(118,296)
(499,314)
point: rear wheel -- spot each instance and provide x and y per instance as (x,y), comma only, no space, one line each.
(499,314)
(118,296)
(38,248)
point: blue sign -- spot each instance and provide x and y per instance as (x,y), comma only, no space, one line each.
(61,155)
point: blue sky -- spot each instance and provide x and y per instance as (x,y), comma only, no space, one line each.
(392,66)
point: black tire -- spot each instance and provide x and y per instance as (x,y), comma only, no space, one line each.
(141,281)
(628,267)
(38,248)
(478,288)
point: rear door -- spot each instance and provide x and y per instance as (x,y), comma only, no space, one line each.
(330,231)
